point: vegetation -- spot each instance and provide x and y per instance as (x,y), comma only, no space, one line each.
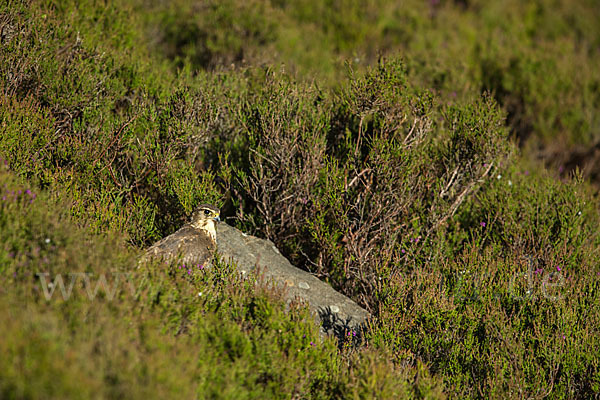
(413,155)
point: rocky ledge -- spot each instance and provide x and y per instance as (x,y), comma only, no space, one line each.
(337,313)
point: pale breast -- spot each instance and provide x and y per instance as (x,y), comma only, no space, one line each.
(193,246)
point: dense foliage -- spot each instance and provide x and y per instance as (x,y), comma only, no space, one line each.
(396,150)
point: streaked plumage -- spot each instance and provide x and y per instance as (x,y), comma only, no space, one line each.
(195,242)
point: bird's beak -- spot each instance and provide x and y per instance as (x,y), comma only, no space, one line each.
(217,219)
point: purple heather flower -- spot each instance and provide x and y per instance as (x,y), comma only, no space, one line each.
(558,268)
(403,251)
(482,224)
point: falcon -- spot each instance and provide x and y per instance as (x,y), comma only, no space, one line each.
(195,242)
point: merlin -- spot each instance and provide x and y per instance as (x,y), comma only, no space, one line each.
(195,242)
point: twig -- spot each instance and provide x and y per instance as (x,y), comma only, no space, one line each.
(263,157)
(353,181)
(461,197)
(412,128)
(360,124)
(443,192)
(117,135)
(113,176)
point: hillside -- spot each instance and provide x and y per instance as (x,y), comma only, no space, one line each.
(433,161)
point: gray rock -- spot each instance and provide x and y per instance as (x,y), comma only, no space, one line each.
(337,313)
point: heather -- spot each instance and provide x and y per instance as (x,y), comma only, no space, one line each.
(413,155)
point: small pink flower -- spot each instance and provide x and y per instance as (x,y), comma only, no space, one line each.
(482,224)
(558,268)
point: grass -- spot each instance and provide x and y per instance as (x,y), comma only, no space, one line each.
(392,150)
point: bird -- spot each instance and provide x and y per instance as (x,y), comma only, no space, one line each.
(195,242)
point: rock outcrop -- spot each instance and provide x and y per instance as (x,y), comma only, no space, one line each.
(337,313)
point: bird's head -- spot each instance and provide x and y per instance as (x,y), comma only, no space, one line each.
(205,217)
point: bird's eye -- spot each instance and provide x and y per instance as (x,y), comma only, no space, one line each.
(206,212)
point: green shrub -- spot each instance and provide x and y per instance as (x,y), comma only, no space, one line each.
(396,183)
(349,182)
(215,33)
(75,117)
(108,329)
(498,310)
(538,59)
